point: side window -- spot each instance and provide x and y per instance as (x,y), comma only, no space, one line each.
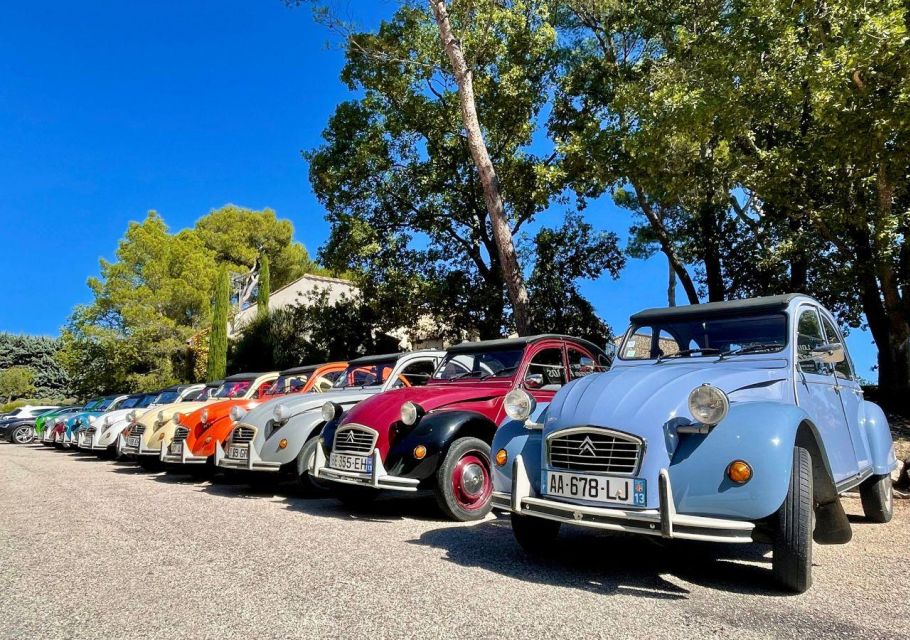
(264,388)
(638,345)
(809,336)
(416,374)
(581,364)
(841,369)
(546,371)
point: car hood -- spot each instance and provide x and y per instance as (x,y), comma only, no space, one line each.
(385,409)
(647,397)
(299,403)
(83,415)
(167,412)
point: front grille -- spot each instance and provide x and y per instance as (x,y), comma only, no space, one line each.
(137,429)
(180,434)
(91,431)
(243,434)
(595,450)
(355,439)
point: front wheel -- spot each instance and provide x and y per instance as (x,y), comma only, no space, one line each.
(309,485)
(535,535)
(22,435)
(878,498)
(464,483)
(792,539)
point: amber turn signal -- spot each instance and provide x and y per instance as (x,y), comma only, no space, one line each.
(739,471)
(501,457)
(282,443)
(420,452)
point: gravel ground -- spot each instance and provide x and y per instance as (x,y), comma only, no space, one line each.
(98,549)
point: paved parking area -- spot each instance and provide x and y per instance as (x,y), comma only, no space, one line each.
(98,549)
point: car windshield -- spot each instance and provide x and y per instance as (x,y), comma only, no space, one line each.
(131,402)
(167,397)
(479,364)
(145,400)
(291,383)
(104,405)
(368,375)
(91,405)
(705,337)
(206,394)
(14,413)
(233,389)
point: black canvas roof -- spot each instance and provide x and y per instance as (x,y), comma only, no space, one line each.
(214,383)
(730,307)
(517,343)
(365,360)
(242,376)
(296,370)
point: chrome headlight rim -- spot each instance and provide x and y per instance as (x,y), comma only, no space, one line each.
(411,413)
(519,404)
(204,416)
(237,413)
(708,404)
(330,411)
(281,413)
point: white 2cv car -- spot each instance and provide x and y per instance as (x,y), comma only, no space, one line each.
(282,434)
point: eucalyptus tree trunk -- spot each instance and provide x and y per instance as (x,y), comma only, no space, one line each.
(502,234)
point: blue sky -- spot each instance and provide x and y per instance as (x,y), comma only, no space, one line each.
(109,109)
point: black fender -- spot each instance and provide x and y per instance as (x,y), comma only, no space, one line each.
(435,431)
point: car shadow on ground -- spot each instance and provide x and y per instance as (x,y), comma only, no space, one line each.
(607,563)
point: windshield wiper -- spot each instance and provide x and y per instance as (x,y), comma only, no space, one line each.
(686,352)
(501,372)
(752,348)
(461,374)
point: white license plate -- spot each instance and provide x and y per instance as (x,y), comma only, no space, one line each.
(607,489)
(132,441)
(361,464)
(175,448)
(238,453)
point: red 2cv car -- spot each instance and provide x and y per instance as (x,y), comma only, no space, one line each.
(438,436)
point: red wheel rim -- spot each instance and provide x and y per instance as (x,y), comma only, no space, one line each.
(471,481)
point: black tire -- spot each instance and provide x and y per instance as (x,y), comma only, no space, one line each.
(877,498)
(792,539)
(535,535)
(454,503)
(309,486)
(354,497)
(22,435)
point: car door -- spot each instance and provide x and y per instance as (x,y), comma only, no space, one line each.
(851,397)
(817,394)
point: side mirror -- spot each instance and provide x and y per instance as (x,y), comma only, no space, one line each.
(534,380)
(829,353)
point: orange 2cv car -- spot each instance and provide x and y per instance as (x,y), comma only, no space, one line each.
(198,432)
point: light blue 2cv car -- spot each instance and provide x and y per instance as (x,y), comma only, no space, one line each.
(734,421)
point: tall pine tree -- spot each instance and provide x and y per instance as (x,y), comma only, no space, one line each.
(262,300)
(218,342)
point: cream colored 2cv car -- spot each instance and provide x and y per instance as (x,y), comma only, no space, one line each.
(154,429)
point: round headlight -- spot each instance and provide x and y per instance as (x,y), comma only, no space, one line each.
(178,418)
(204,416)
(237,413)
(106,422)
(329,411)
(519,404)
(281,412)
(411,413)
(161,416)
(708,404)
(92,420)
(132,415)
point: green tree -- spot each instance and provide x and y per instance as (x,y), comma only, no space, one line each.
(42,355)
(218,342)
(262,298)
(404,197)
(16,382)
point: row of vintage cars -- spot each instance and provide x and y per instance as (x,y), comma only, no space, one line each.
(732,422)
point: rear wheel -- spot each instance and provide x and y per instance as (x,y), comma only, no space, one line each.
(877,498)
(464,483)
(792,539)
(535,535)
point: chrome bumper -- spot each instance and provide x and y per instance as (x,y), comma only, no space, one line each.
(663,521)
(252,463)
(141,450)
(92,446)
(184,457)
(378,478)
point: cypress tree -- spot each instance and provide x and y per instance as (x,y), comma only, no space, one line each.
(262,300)
(218,343)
